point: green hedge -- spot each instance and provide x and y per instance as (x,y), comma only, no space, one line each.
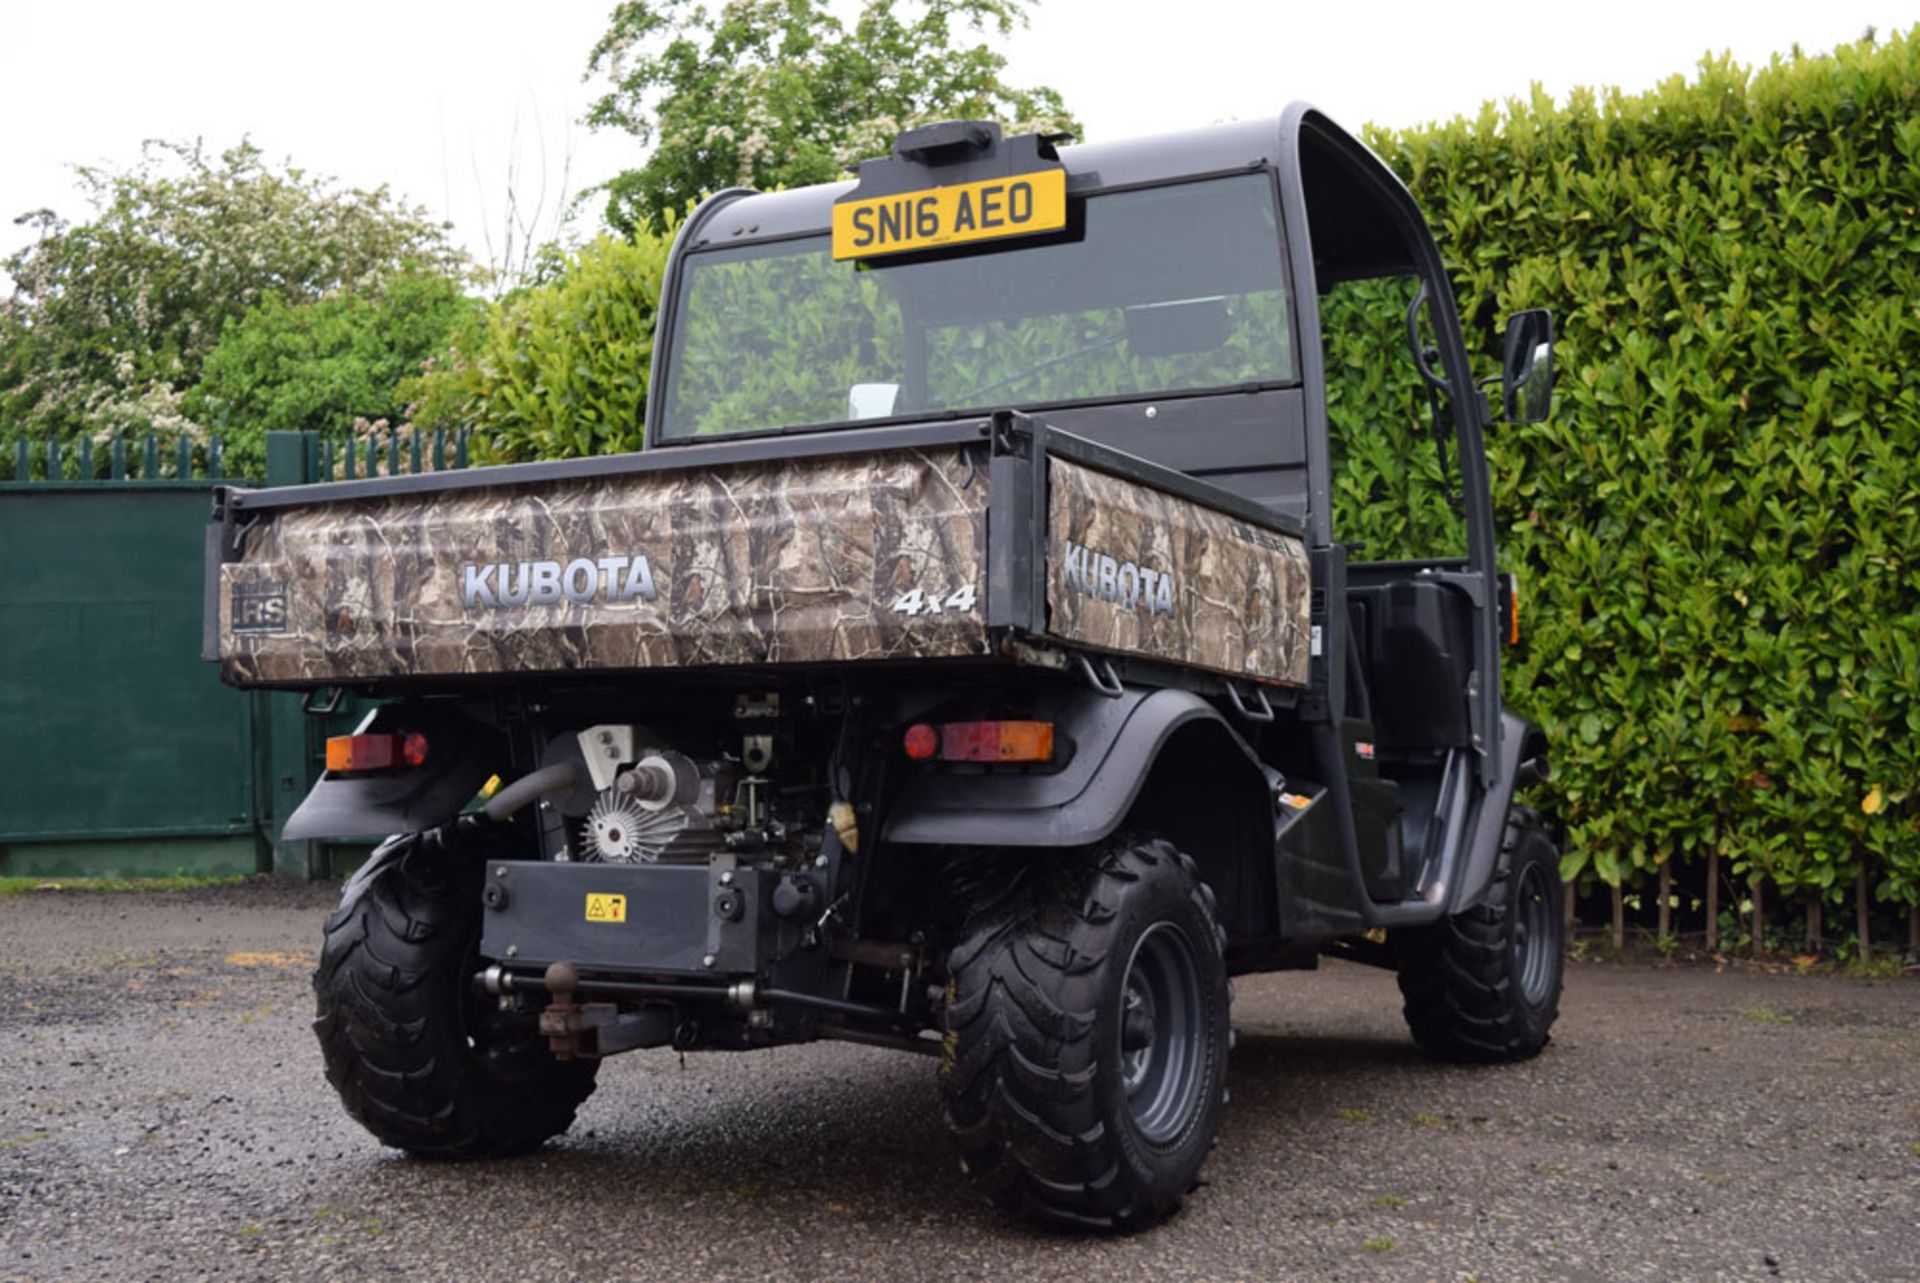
(1718,532)
(559,369)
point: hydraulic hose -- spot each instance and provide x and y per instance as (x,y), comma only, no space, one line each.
(548,779)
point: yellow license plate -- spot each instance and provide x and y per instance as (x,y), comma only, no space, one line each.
(606,908)
(1017,205)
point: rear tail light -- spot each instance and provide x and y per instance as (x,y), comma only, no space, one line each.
(999,741)
(922,742)
(350,754)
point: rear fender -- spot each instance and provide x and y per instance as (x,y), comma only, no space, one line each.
(461,754)
(1116,744)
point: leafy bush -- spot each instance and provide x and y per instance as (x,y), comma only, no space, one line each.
(557,369)
(1718,531)
(321,365)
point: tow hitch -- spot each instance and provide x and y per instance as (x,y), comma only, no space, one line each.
(586,1031)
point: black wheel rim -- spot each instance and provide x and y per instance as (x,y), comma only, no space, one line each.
(1162,1034)
(1535,938)
(496,1038)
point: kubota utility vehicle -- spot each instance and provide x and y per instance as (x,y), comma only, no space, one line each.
(971,664)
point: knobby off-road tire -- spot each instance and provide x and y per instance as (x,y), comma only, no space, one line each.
(418,1059)
(1484,985)
(1086,1037)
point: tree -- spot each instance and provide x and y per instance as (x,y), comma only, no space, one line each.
(322,364)
(111,318)
(769,93)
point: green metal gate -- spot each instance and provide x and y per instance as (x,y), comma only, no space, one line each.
(121,754)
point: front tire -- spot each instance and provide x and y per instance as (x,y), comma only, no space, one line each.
(418,1058)
(1086,1038)
(1484,985)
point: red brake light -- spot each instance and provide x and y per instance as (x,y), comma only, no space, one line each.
(414,749)
(922,742)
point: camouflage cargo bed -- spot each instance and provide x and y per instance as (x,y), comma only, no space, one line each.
(946,543)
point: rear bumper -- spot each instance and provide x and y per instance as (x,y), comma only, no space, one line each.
(640,919)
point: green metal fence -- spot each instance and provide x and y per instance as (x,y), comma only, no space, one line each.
(121,753)
(330,460)
(119,460)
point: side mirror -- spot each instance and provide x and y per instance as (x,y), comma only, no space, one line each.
(1526,376)
(872,400)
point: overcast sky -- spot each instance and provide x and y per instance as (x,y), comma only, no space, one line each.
(439,98)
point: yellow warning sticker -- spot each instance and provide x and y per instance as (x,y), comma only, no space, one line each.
(606,908)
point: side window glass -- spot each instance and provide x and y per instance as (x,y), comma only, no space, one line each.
(1391,495)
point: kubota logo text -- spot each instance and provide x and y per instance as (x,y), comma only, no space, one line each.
(543,583)
(1124,583)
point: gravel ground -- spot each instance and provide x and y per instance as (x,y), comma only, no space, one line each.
(164,1117)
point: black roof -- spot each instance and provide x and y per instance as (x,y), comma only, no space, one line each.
(1299,144)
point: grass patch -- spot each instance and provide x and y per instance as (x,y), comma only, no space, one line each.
(1768,1016)
(1355,1115)
(1389,1200)
(282,960)
(1913,1147)
(181,882)
(15,1142)
(1430,1120)
(1379,1243)
(1885,965)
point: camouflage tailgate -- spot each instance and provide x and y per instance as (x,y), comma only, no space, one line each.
(803,561)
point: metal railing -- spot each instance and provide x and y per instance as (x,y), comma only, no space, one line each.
(121,459)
